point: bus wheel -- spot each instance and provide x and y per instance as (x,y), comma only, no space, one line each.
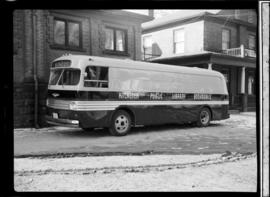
(204,117)
(120,123)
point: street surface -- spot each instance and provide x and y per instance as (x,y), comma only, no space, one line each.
(221,157)
(237,134)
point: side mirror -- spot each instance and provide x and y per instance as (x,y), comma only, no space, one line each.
(85,74)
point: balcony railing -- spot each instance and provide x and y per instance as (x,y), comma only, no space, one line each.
(240,52)
(236,52)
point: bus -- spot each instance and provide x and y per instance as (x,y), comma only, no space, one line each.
(97,92)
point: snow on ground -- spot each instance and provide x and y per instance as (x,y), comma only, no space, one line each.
(237,175)
(242,120)
(35,164)
(84,174)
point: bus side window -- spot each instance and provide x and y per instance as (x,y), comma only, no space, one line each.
(96,76)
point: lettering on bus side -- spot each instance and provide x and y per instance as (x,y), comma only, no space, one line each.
(128,95)
(177,96)
(202,96)
(156,96)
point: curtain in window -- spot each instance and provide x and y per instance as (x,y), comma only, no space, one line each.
(73,34)
(59,32)
(109,39)
(120,40)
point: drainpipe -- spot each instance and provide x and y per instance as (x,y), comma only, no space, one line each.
(34,48)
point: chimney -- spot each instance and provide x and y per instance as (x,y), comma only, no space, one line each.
(151,13)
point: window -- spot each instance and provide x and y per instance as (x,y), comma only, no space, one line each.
(115,39)
(251,85)
(251,42)
(179,41)
(237,14)
(67,77)
(67,33)
(250,17)
(96,76)
(225,39)
(147,44)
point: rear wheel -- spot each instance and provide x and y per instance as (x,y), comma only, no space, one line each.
(204,117)
(120,123)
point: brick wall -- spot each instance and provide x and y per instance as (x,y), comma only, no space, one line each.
(213,35)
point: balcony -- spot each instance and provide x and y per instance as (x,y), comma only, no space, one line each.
(240,52)
(147,55)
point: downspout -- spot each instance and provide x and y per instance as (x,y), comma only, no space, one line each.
(134,40)
(34,48)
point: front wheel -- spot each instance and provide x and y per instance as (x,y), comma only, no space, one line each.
(204,117)
(120,123)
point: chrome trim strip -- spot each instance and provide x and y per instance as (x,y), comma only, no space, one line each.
(112,105)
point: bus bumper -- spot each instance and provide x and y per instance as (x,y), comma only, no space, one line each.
(62,122)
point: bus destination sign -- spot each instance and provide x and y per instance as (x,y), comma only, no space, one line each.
(61,63)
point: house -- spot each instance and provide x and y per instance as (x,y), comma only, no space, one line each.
(225,41)
(40,36)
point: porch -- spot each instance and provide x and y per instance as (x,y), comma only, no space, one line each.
(237,65)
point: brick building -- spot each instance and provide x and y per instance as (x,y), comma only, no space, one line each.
(43,35)
(225,41)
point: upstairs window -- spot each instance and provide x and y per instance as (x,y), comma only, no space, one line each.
(115,39)
(67,33)
(237,14)
(147,44)
(225,39)
(250,17)
(96,76)
(179,41)
(251,42)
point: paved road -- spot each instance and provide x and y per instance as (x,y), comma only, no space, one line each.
(237,134)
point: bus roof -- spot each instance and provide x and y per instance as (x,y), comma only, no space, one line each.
(127,63)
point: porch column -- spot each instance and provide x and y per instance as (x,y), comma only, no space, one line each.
(243,87)
(243,80)
(210,66)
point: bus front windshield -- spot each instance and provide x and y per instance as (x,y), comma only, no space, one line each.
(65,76)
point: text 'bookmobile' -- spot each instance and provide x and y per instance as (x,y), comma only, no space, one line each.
(91,92)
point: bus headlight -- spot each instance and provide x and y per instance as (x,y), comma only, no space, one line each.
(72,105)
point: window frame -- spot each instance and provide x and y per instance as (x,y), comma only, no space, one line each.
(150,48)
(237,14)
(253,36)
(229,45)
(125,51)
(174,42)
(253,84)
(66,44)
(250,17)
(96,80)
